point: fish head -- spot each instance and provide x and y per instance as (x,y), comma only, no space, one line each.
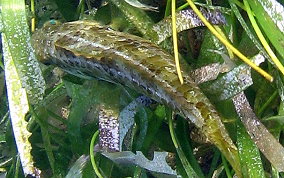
(43,40)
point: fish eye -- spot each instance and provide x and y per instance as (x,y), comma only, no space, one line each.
(51,22)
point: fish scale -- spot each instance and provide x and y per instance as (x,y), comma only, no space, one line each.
(86,48)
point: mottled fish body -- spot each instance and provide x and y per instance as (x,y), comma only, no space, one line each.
(89,49)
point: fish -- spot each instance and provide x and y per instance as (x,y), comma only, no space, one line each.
(86,48)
